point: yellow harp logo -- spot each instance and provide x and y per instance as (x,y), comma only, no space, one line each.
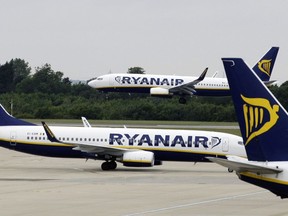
(265,66)
(254,110)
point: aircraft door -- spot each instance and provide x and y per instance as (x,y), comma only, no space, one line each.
(225,144)
(13,137)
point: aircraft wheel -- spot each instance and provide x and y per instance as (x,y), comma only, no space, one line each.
(182,100)
(105,166)
(109,165)
(113,165)
(230,170)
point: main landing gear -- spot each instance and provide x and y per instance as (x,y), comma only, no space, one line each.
(109,165)
(182,100)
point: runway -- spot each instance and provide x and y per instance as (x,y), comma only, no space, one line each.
(33,185)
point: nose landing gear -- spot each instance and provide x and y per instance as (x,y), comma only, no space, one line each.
(182,100)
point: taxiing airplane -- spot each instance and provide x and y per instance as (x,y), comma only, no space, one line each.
(264,126)
(132,147)
(169,85)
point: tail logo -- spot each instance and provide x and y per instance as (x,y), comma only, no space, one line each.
(256,111)
(265,66)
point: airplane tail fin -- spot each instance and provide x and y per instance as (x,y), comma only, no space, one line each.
(264,66)
(262,119)
(6,119)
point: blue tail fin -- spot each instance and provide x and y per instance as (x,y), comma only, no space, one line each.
(262,119)
(6,119)
(264,66)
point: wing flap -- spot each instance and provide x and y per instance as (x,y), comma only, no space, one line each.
(101,149)
(245,166)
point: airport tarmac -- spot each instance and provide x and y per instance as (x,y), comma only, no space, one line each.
(34,185)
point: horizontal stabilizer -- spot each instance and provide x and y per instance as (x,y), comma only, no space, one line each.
(245,166)
(269,82)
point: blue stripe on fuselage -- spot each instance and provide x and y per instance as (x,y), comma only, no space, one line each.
(213,92)
(44,150)
(63,151)
(276,188)
(146,90)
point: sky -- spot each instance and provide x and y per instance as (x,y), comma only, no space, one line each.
(88,38)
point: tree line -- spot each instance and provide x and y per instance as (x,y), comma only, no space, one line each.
(47,94)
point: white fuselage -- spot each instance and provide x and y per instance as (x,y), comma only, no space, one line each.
(174,145)
(142,83)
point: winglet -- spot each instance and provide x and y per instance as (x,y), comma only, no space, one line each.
(49,133)
(85,122)
(202,76)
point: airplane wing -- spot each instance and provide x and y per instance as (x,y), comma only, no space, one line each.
(244,166)
(104,150)
(188,88)
(93,148)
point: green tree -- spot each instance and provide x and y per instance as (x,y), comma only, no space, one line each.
(21,70)
(136,70)
(45,80)
(12,73)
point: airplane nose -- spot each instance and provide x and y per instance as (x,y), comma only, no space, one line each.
(92,83)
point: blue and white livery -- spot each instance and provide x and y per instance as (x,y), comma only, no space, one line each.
(183,86)
(264,127)
(132,147)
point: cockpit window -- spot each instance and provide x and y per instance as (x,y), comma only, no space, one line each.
(99,78)
(240,142)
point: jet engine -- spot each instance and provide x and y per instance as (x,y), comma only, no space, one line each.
(157,91)
(138,159)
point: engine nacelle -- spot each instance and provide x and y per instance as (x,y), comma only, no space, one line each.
(157,91)
(138,159)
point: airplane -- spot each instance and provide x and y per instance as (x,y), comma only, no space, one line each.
(264,125)
(131,146)
(169,85)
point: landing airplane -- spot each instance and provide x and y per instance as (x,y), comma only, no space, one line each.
(132,147)
(264,124)
(169,85)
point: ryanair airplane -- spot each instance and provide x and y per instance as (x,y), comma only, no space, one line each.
(169,85)
(264,125)
(132,147)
